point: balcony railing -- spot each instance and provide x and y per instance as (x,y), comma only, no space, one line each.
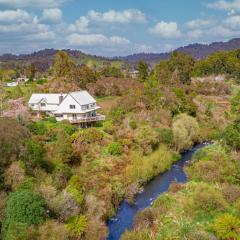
(88,119)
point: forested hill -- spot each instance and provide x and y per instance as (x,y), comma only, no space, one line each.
(198,51)
(43,59)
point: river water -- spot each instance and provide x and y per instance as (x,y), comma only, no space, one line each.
(126,213)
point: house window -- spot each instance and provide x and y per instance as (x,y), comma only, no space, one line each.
(72,106)
(43,104)
(74,116)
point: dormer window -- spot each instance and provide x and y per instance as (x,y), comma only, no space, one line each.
(72,106)
(43,104)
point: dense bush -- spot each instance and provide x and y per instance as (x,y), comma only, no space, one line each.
(34,155)
(77,225)
(227,227)
(23,207)
(64,149)
(143,169)
(114,148)
(206,166)
(218,63)
(12,138)
(185,132)
(165,136)
(231,135)
(207,198)
(147,139)
(75,188)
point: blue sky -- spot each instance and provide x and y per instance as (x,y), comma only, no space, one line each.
(115,27)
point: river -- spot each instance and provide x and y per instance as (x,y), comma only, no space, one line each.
(126,213)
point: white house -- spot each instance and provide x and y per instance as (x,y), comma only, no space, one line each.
(76,107)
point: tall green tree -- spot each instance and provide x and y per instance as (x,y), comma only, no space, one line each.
(31,71)
(143,71)
(182,64)
(64,147)
(63,64)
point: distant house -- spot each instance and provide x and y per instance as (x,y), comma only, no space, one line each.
(22,79)
(11,84)
(134,74)
(76,107)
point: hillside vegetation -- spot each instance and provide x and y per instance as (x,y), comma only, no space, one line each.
(61,182)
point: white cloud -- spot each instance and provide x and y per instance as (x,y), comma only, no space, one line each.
(119,40)
(32,3)
(85,23)
(81,25)
(199,23)
(166,30)
(14,16)
(112,16)
(95,40)
(225,5)
(233,22)
(52,15)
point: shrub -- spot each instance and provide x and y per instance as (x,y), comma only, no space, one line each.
(147,139)
(143,169)
(206,166)
(61,175)
(231,192)
(38,128)
(28,183)
(185,132)
(227,227)
(14,175)
(65,206)
(34,155)
(12,138)
(205,198)
(77,225)
(231,135)
(90,135)
(133,124)
(64,147)
(75,188)
(24,207)
(96,229)
(20,231)
(52,230)
(114,148)
(144,234)
(165,136)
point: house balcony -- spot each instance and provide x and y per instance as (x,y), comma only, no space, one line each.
(97,118)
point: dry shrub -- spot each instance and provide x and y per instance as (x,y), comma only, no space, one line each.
(96,230)
(52,230)
(175,187)
(110,86)
(204,197)
(65,206)
(14,175)
(3,198)
(131,191)
(231,192)
(95,207)
(48,192)
(144,218)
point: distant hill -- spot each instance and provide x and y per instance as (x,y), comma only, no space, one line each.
(198,51)
(44,59)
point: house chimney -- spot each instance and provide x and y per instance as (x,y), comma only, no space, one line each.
(60,98)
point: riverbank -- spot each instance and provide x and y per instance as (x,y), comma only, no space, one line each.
(126,213)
